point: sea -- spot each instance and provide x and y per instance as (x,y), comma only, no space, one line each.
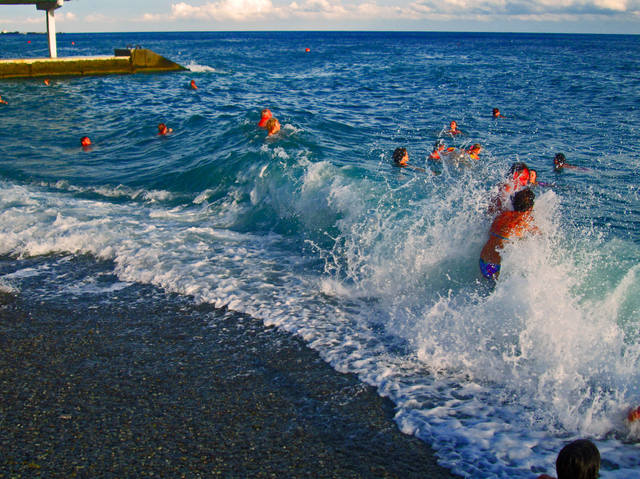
(315,232)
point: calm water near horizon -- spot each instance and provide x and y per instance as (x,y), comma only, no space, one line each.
(315,232)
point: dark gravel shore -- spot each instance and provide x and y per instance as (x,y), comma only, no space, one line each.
(110,388)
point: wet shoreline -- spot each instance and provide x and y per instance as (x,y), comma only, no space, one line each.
(114,387)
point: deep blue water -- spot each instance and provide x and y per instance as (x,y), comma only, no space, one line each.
(314,231)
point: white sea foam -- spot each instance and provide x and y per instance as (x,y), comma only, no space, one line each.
(197,68)
(495,379)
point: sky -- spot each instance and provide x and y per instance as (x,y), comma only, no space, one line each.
(552,16)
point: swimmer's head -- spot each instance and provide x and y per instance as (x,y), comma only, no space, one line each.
(559,160)
(85,141)
(400,157)
(453,125)
(578,459)
(533,175)
(266,113)
(523,200)
(520,173)
(496,112)
(272,126)
(475,148)
(438,145)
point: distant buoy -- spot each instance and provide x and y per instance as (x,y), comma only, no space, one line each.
(28,41)
(73,43)
(307,50)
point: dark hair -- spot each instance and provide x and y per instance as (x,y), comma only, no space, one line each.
(578,460)
(517,167)
(559,158)
(398,154)
(523,200)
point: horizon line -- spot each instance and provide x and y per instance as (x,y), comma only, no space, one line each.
(6,32)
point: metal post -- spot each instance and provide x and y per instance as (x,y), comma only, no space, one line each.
(49,6)
(51,32)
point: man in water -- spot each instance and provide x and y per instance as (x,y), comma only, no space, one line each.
(496,113)
(507,226)
(474,151)
(453,129)
(438,147)
(518,178)
(264,118)
(560,163)
(3,101)
(272,126)
(163,129)
(401,159)
(578,459)
(193,85)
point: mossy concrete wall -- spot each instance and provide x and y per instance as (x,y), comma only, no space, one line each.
(137,60)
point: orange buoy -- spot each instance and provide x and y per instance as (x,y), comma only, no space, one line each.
(307,50)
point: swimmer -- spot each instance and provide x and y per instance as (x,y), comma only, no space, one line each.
(46,82)
(272,126)
(401,159)
(579,459)
(496,113)
(533,179)
(453,128)
(193,85)
(438,147)
(474,151)
(508,225)
(85,142)
(560,163)
(519,177)
(3,102)
(163,129)
(265,116)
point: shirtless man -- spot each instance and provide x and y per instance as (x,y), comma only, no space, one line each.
(507,226)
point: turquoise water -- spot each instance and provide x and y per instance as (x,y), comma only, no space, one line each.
(314,231)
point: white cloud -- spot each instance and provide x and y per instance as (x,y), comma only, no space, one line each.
(66,16)
(319,8)
(435,10)
(235,10)
(98,18)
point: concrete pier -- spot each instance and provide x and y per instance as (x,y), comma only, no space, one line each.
(136,60)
